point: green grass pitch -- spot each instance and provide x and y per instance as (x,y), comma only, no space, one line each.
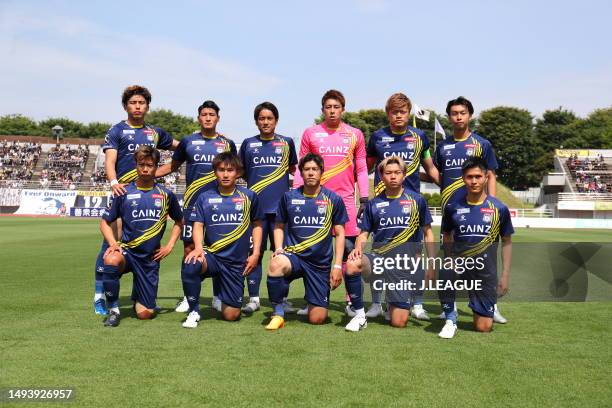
(551,354)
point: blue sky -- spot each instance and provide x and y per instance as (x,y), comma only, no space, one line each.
(72,59)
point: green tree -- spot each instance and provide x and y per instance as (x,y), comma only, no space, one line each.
(510,130)
(594,132)
(96,130)
(178,125)
(433,200)
(18,125)
(72,128)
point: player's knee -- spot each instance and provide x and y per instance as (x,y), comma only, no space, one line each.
(483,325)
(145,314)
(276,267)
(113,259)
(317,317)
(230,313)
(399,318)
(353,267)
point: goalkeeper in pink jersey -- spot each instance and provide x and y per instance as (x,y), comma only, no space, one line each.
(344,155)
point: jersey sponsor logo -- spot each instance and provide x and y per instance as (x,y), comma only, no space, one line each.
(448,147)
(469,145)
(333,149)
(157,196)
(308,220)
(386,139)
(382,204)
(296,201)
(198,142)
(147,213)
(147,131)
(267,160)
(207,158)
(390,221)
(133,196)
(255,144)
(409,139)
(237,200)
(278,144)
(463,210)
(215,200)
(487,210)
(405,202)
(132,147)
(129,131)
(403,155)
(233,217)
(321,202)
(321,134)
(454,162)
(474,229)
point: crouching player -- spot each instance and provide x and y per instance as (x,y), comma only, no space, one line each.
(399,220)
(143,210)
(307,214)
(471,228)
(224,218)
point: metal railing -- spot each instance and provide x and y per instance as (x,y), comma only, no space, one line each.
(585,196)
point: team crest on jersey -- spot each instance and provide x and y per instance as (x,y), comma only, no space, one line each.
(220,149)
(158,202)
(150,138)
(410,146)
(406,209)
(321,209)
(346,140)
(239,206)
(278,150)
(469,152)
(486,218)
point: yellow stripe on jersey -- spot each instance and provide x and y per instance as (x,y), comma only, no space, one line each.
(342,164)
(196,185)
(155,134)
(277,174)
(407,233)
(416,159)
(156,228)
(448,192)
(238,231)
(128,177)
(491,237)
(319,235)
(380,187)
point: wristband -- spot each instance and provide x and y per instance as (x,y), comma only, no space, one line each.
(336,266)
(114,182)
(363,200)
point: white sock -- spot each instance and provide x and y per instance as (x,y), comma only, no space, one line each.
(254,299)
(495,307)
(98,296)
(114,309)
(360,312)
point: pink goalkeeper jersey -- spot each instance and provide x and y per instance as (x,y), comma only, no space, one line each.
(344,156)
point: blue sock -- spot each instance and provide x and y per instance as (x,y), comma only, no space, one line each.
(192,284)
(216,285)
(449,311)
(376,294)
(99,285)
(99,271)
(254,280)
(111,284)
(447,297)
(354,288)
(276,291)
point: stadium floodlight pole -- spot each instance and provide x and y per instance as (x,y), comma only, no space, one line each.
(57,132)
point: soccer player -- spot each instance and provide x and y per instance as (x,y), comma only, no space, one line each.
(412,145)
(342,148)
(472,227)
(198,150)
(303,241)
(144,208)
(120,144)
(268,159)
(450,155)
(225,218)
(399,220)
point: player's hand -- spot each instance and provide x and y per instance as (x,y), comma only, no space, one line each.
(119,189)
(111,249)
(362,205)
(335,278)
(197,255)
(355,255)
(278,252)
(502,286)
(162,252)
(251,263)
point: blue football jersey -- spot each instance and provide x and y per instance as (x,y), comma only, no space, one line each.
(143,214)
(308,224)
(396,221)
(127,139)
(476,228)
(411,146)
(266,168)
(199,151)
(449,157)
(227,222)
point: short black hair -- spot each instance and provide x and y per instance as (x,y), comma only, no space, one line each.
(473,162)
(311,157)
(230,158)
(460,101)
(265,105)
(209,104)
(147,151)
(135,90)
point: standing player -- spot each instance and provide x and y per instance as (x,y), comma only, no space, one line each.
(120,144)
(342,148)
(412,145)
(198,150)
(144,209)
(225,218)
(303,240)
(268,159)
(399,220)
(448,158)
(472,227)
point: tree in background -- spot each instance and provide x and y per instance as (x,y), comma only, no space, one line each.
(19,125)
(594,132)
(510,130)
(96,130)
(72,128)
(178,125)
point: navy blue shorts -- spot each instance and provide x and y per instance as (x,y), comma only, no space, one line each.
(145,277)
(187,233)
(230,278)
(268,232)
(316,280)
(482,302)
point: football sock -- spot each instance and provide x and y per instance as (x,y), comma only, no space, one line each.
(276,292)
(192,284)
(353,287)
(111,284)
(254,280)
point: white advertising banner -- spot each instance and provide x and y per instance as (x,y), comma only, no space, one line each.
(46,202)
